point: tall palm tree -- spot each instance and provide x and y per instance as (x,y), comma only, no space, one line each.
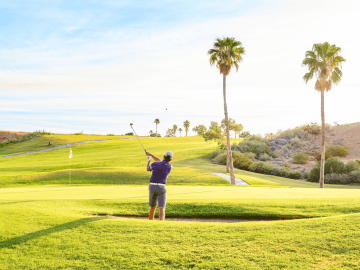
(186,126)
(157,121)
(323,61)
(180,130)
(225,54)
(175,128)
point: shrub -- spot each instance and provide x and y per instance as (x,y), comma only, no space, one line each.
(264,157)
(255,146)
(261,167)
(250,155)
(221,159)
(355,176)
(300,158)
(284,173)
(129,134)
(335,178)
(352,165)
(317,155)
(276,171)
(332,165)
(305,175)
(296,142)
(292,133)
(217,152)
(338,151)
(312,128)
(241,161)
(295,175)
(278,153)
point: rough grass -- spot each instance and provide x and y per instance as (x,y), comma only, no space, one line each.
(45,226)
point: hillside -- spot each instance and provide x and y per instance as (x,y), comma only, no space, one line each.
(344,135)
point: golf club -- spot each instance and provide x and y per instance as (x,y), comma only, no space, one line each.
(131,125)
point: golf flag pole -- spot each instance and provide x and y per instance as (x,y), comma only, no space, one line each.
(70,156)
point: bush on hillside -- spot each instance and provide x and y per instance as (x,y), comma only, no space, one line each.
(317,155)
(261,167)
(292,133)
(250,155)
(335,178)
(217,152)
(255,145)
(264,157)
(284,173)
(352,165)
(338,151)
(355,176)
(296,142)
(278,153)
(295,175)
(305,174)
(300,158)
(332,165)
(241,161)
(221,159)
(129,134)
(312,128)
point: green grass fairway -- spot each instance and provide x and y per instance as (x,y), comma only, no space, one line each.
(45,223)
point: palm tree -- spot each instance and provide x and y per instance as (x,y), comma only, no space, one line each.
(227,53)
(180,129)
(174,128)
(157,121)
(186,126)
(323,61)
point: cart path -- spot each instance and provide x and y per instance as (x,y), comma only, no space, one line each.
(238,181)
(62,146)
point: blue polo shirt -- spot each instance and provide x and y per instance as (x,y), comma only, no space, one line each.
(160,171)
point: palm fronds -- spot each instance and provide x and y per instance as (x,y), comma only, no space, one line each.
(323,61)
(225,54)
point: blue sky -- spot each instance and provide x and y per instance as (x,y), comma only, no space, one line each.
(96,66)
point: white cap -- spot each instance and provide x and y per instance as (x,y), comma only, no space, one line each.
(169,154)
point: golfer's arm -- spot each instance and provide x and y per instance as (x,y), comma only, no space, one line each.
(147,167)
(155,158)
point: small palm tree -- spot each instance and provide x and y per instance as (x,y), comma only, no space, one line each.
(175,128)
(180,129)
(186,126)
(323,61)
(157,121)
(225,54)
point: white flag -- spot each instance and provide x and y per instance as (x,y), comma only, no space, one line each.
(70,154)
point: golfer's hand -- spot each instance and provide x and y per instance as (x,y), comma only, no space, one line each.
(149,158)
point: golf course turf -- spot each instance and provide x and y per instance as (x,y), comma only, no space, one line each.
(45,222)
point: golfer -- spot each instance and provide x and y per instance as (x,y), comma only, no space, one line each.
(157,191)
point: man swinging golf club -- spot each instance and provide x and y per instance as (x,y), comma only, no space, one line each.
(157,191)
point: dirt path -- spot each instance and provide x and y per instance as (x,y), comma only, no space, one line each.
(62,146)
(238,181)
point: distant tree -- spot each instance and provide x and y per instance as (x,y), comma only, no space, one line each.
(157,121)
(225,54)
(200,129)
(180,129)
(323,61)
(238,128)
(151,133)
(175,128)
(186,126)
(169,132)
(245,134)
(232,125)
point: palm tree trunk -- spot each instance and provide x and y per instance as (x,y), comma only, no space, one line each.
(156,131)
(322,166)
(229,154)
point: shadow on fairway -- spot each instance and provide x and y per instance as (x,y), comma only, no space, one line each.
(30,236)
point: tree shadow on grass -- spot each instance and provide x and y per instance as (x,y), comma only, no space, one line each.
(30,236)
